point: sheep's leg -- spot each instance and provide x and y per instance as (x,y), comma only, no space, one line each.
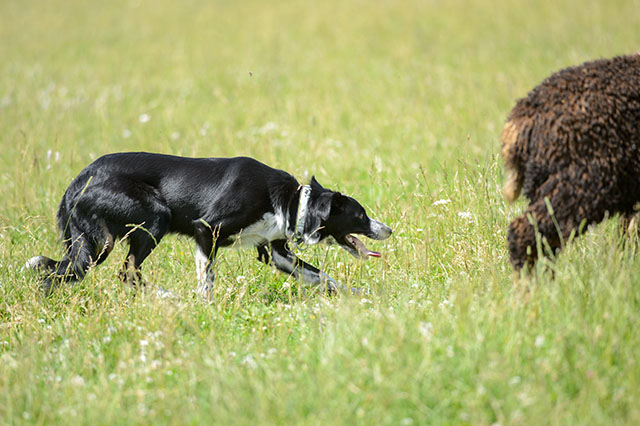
(561,205)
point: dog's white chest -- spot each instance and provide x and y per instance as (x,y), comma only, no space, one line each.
(269,228)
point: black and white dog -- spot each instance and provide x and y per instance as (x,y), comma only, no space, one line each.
(218,201)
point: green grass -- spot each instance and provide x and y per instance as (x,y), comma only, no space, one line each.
(399,104)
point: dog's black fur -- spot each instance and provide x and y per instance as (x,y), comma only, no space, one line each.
(217,201)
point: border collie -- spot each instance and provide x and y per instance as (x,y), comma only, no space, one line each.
(218,201)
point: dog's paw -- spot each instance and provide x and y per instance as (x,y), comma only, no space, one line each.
(205,292)
(331,288)
(360,291)
(354,291)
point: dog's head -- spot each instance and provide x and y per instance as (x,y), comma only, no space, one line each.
(333,215)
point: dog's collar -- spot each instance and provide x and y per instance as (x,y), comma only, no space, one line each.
(301,216)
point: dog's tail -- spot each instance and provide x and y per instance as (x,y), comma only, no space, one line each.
(62,219)
(68,204)
(77,256)
(72,267)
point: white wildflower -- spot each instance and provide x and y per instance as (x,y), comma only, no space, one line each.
(450,351)
(77,381)
(268,127)
(126,133)
(144,118)
(444,304)
(164,293)
(249,362)
(539,341)
(426,329)
(514,380)
(441,202)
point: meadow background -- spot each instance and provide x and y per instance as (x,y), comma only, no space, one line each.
(399,104)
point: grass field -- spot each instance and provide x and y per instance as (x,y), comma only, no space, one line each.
(399,104)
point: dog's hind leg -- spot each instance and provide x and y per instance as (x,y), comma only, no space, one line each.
(122,208)
(142,240)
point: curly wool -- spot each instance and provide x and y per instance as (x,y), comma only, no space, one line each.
(575,139)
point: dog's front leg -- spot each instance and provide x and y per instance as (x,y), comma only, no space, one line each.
(284,260)
(205,273)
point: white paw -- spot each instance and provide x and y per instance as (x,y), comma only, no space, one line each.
(205,292)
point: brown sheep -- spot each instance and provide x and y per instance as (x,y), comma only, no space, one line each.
(573,146)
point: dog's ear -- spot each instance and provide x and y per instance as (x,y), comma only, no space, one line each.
(319,212)
(323,204)
(315,184)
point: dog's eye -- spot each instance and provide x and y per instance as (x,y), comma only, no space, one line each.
(361,215)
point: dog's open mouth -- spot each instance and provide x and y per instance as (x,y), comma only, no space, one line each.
(359,246)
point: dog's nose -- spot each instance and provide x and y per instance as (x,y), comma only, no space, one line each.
(380,230)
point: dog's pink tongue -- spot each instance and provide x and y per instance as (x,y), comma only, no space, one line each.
(362,249)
